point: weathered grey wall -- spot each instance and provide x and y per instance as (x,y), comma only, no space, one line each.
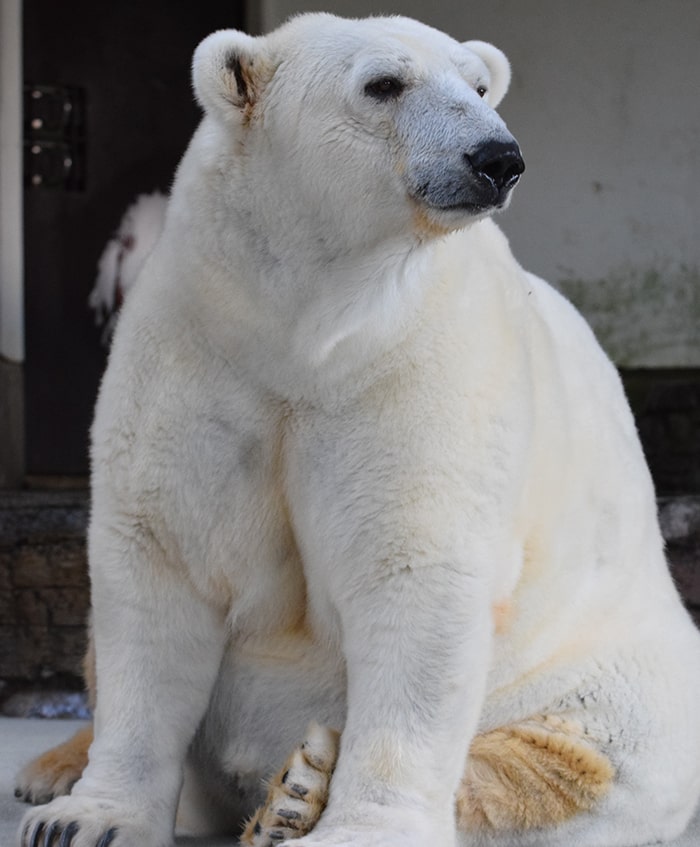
(606,104)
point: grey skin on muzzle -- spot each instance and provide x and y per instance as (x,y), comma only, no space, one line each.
(461,155)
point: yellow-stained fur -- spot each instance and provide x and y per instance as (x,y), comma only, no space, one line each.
(534,774)
(298,793)
(55,772)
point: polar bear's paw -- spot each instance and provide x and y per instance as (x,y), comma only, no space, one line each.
(55,772)
(535,774)
(88,822)
(298,793)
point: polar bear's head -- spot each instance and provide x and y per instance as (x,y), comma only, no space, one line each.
(363,129)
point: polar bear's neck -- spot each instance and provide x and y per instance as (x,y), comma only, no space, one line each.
(341,321)
(323,322)
(346,324)
(268,294)
(369,300)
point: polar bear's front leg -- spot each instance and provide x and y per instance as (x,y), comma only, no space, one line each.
(417,647)
(399,560)
(158,648)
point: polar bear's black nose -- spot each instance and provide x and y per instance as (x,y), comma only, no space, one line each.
(499,161)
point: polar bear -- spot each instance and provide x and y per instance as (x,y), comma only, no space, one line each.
(352,464)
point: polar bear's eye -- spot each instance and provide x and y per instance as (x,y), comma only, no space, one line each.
(384,88)
(481,90)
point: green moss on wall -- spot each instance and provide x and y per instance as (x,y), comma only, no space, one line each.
(643,318)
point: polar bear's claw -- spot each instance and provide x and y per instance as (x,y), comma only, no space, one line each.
(48,836)
(298,793)
(80,821)
(108,837)
(43,836)
(294,788)
(36,835)
(68,833)
(53,829)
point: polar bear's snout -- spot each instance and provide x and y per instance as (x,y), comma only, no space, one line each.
(499,165)
(472,179)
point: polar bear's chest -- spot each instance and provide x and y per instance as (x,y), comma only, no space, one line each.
(225,515)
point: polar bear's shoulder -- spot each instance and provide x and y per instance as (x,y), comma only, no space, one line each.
(564,324)
(564,345)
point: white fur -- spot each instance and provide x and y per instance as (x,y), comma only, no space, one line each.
(124,257)
(329,439)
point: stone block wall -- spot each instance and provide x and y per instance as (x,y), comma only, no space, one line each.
(44,590)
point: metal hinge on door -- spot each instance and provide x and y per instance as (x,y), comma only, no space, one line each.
(54,137)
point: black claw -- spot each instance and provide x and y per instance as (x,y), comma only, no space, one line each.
(68,834)
(108,837)
(50,833)
(297,789)
(289,814)
(257,829)
(275,835)
(284,777)
(36,835)
(18,793)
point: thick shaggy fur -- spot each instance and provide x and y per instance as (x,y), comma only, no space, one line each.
(352,464)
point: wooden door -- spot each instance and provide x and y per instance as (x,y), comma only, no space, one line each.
(108,113)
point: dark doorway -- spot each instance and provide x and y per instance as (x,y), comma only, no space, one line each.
(124,69)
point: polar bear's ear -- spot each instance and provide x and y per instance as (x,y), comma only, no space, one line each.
(499,70)
(225,72)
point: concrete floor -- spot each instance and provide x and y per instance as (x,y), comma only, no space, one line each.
(23,738)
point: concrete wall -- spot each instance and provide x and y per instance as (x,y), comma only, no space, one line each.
(605,104)
(11,263)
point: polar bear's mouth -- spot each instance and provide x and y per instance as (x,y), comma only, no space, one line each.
(483,204)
